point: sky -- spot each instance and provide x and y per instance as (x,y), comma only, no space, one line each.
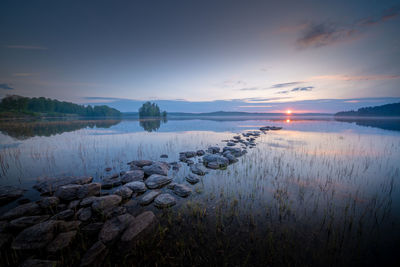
(202,56)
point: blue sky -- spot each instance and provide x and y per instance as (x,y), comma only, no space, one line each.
(200,56)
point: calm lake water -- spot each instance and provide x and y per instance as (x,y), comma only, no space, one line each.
(330,185)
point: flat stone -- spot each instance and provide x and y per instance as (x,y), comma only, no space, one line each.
(40,263)
(87,190)
(160,168)
(141,163)
(147,198)
(84,214)
(95,255)
(108,183)
(63,215)
(219,160)
(9,193)
(182,190)
(113,212)
(230,157)
(102,203)
(164,156)
(124,191)
(136,187)
(198,169)
(131,206)
(200,152)
(131,176)
(157,181)
(24,222)
(92,229)
(213,165)
(87,201)
(193,179)
(143,224)
(114,227)
(50,185)
(22,210)
(62,241)
(190,154)
(48,202)
(164,201)
(231,144)
(36,236)
(213,149)
(68,226)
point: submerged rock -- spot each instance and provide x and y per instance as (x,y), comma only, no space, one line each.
(160,168)
(190,154)
(230,144)
(84,214)
(141,163)
(110,182)
(36,236)
(62,241)
(133,175)
(93,228)
(157,181)
(102,203)
(213,149)
(28,221)
(230,157)
(215,161)
(5,240)
(200,152)
(50,185)
(70,192)
(22,210)
(164,201)
(164,156)
(143,224)
(137,187)
(95,255)
(48,202)
(63,215)
(149,197)
(125,192)
(9,193)
(182,190)
(193,179)
(198,169)
(114,227)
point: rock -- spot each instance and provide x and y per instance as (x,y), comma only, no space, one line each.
(274,128)
(213,165)
(213,149)
(74,191)
(95,255)
(48,202)
(36,236)
(133,168)
(9,193)
(147,198)
(125,192)
(110,182)
(22,210)
(51,185)
(40,263)
(193,179)
(164,156)
(113,212)
(114,227)
(182,190)
(237,137)
(131,206)
(189,162)
(182,158)
(23,201)
(141,163)
(87,190)
(68,226)
(230,157)
(62,241)
(108,169)
(211,160)
(61,206)
(175,166)
(63,215)
(164,201)
(84,214)
(4,225)
(27,221)
(160,168)
(237,152)
(230,144)
(143,224)
(190,154)
(200,152)
(87,201)
(102,203)
(92,229)
(157,181)
(132,176)
(73,205)
(137,187)
(198,169)
(5,240)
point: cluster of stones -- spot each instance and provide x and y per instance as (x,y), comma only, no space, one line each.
(73,205)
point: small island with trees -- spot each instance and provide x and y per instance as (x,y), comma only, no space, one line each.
(151,110)
(388,110)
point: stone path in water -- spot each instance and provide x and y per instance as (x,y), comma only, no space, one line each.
(73,205)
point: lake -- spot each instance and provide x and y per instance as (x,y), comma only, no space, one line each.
(319,191)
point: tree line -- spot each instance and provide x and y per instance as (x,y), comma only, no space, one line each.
(49,106)
(151,110)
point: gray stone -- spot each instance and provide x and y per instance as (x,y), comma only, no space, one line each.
(219,160)
(87,201)
(213,165)
(74,191)
(193,179)
(190,154)
(157,181)
(164,156)
(164,201)
(143,224)
(131,176)
(113,212)
(237,152)
(50,185)
(68,226)
(9,193)
(200,152)
(160,168)
(36,236)
(182,190)
(84,214)
(73,205)
(62,241)
(136,186)
(87,190)
(92,229)
(198,169)
(213,149)
(108,183)
(230,157)
(102,203)
(114,227)
(48,202)
(125,192)
(63,215)
(147,198)
(95,255)
(141,163)
(22,210)
(27,221)
(230,144)
(40,263)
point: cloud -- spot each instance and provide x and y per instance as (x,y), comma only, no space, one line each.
(23,74)
(283,92)
(250,89)
(5,86)
(308,88)
(324,34)
(280,85)
(26,47)
(341,77)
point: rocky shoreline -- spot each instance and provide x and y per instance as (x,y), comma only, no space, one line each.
(73,207)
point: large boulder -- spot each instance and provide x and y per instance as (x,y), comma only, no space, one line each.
(164,201)
(131,176)
(143,224)
(95,255)
(114,227)
(28,221)
(103,203)
(124,191)
(160,168)
(137,187)
(182,190)
(157,181)
(36,236)
(147,198)
(62,241)
(9,193)
(215,159)
(111,182)
(51,185)
(22,210)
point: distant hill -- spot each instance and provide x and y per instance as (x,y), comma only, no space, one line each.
(19,106)
(389,110)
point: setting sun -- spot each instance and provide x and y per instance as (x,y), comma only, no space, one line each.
(288,111)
